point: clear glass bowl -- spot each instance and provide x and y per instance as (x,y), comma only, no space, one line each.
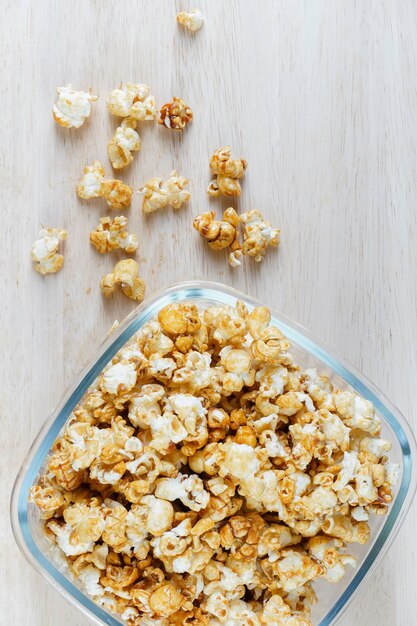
(333,598)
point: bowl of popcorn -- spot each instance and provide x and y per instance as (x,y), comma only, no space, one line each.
(214,465)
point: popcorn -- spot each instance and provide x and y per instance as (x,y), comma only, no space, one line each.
(72,107)
(125,274)
(45,251)
(125,141)
(175,115)
(90,186)
(240,461)
(90,577)
(295,569)
(177,319)
(166,600)
(357,412)
(221,234)
(119,378)
(188,489)
(93,185)
(204,467)
(158,194)
(133,101)
(112,235)
(258,235)
(228,171)
(192,20)
(63,535)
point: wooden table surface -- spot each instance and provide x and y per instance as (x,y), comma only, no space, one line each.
(320,97)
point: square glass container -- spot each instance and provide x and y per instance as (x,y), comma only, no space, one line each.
(332,598)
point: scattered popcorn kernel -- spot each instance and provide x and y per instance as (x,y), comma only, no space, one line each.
(125,141)
(160,193)
(90,186)
(117,194)
(45,251)
(192,20)
(206,478)
(72,108)
(258,235)
(112,234)
(126,275)
(228,171)
(175,115)
(134,101)
(221,163)
(94,185)
(220,234)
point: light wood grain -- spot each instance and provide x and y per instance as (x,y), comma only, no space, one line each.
(320,97)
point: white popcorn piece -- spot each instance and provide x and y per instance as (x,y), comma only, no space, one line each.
(359,514)
(45,251)
(240,461)
(159,515)
(125,141)
(295,569)
(393,473)
(191,20)
(144,406)
(72,107)
(357,412)
(160,193)
(134,101)
(189,489)
(90,577)
(336,433)
(93,185)
(119,378)
(350,466)
(63,534)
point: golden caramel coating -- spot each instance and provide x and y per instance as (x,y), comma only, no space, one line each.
(125,275)
(228,171)
(112,235)
(258,235)
(175,115)
(204,467)
(220,234)
(160,193)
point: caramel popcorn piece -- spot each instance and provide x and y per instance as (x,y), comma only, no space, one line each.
(221,234)
(72,108)
(125,275)
(228,171)
(45,251)
(258,235)
(125,141)
(93,185)
(133,101)
(192,20)
(205,467)
(160,193)
(112,235)
(175,115)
